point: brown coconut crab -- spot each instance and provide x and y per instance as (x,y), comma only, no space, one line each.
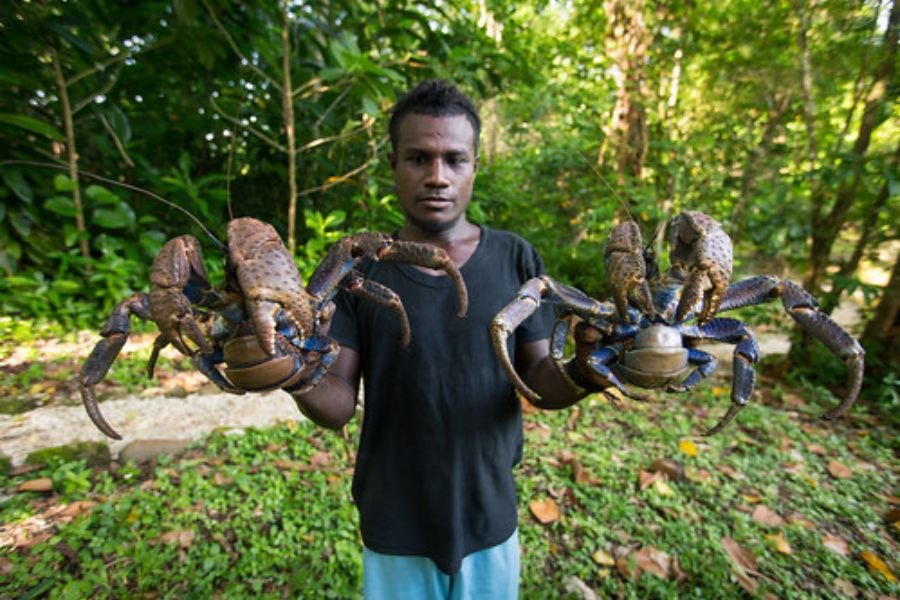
(262,324)
(650,329)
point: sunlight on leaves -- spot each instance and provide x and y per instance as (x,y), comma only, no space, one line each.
(603,558)
(877,565)
(779,543)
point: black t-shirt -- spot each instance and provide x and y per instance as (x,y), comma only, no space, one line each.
(442,428)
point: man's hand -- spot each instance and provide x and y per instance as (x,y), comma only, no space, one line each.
(586,337)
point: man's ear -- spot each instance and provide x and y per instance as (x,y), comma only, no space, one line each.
(392,159)
(475,169)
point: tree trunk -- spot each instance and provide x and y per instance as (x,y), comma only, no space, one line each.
(627,46)
(825,227)
(881,337)
(288,112)
(870,224)
(72,154)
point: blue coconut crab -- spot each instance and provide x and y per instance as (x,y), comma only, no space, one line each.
(262,329)
(650,329)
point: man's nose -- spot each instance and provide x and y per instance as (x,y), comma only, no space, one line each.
(437,174)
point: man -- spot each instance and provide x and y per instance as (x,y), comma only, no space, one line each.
(442,427)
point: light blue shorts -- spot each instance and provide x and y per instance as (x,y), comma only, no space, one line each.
(492,573)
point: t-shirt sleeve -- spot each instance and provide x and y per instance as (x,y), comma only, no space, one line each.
(344,325)
(538,326)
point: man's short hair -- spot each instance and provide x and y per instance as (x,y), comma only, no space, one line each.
(434,98)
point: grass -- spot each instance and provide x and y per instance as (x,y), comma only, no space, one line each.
(268,513)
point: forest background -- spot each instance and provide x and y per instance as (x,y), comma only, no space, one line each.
(779,119)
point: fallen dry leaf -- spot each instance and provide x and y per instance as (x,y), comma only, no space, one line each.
(877,565)
(603,558)
(817,449)
(845,588)
(836,544)
(662,488)
(741,557)
(183,537)
(767,517)
(672,469)
(795,518)
(697,475)
(649,560)
(892,516)
(646,479)
(41,484)
(732,473)
(545,511)
(779,542)
(6,566)
(838,470)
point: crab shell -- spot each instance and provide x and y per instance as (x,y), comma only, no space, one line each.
(657,358)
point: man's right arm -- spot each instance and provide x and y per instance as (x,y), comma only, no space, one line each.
(332,402)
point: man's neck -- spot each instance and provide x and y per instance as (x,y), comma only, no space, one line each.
(459,241)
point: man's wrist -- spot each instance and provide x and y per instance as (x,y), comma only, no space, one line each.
(573,375)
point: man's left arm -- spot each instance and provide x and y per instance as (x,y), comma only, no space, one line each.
(537,370)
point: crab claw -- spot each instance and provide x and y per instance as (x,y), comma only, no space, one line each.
(179,279)
(626,269)
(269,279)
(526,302)
(700,252)
(431,257)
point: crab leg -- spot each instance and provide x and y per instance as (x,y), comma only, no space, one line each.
(355,284)
(804,309)
(115,334)
(525,304)
(700,248)
(746,355)
(432,257)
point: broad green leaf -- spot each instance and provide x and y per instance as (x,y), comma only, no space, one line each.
(61,205)
(16,182)
(62,183)
(31,124)
(21,222)
(119,216)
(66,286)
(101,194)
(119,123)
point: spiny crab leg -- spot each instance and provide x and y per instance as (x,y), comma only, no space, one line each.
(700,251)
(626,269)
(803,308)
(354,283)
(526,302)
(115,333)
(432,257)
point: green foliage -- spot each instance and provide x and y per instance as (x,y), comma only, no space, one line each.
(268,512)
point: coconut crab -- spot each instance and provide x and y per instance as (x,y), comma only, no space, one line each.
(262,324)
(650,329)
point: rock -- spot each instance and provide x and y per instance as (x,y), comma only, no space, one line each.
(95,454)
(142,450)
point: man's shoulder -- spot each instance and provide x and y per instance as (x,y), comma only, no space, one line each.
(504,237)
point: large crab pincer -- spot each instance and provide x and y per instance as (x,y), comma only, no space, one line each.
(649,333)
(263,326)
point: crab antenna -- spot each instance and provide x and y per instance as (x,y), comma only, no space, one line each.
(127,186)
(608,186)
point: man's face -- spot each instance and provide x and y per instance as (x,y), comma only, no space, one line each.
(434,167)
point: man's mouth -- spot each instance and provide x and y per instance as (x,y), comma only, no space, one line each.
(435,201)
